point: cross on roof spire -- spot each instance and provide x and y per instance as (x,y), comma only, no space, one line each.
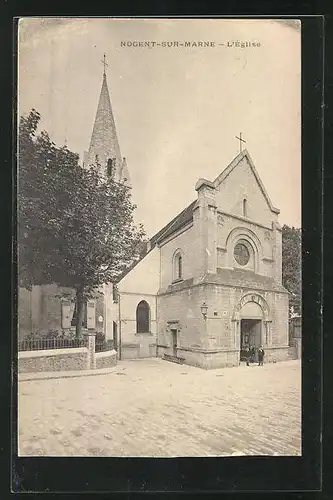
(240,141)
(104,64)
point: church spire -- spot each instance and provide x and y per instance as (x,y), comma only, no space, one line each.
(104,141)
(104,64)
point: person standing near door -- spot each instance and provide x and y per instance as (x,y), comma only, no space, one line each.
(252,353)
(261,354)
(247,355)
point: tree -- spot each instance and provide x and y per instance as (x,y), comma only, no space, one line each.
(76,226)
(39,161)
(291,265)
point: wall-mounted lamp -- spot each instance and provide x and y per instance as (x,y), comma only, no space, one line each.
(204,309)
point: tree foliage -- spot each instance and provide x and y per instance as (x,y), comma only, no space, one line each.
(291,266)
(76,226)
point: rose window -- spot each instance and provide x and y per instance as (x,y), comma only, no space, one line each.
(241,254)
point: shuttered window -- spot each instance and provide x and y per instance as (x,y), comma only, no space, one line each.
(84,320)
(66,314)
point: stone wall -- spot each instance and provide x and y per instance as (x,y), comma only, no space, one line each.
(136,345)
(129,303)
(52,360)
(130,351)
(141,283)
(210,359)
(222,302)
(184,307)
(62,360)
(217,334)
(185,241)
(276,354)
(144,348)
(260,237)
(242,184)
(295,349)
(106,359)
(279,304)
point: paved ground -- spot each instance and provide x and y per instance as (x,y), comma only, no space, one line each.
(157,408)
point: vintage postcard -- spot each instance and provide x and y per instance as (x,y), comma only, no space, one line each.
(159,237)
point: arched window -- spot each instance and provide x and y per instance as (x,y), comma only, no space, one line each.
(236,257)
(142,317)
(177,266)
(110,166)
(245,207)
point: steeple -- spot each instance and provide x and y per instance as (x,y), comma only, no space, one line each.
(104,141)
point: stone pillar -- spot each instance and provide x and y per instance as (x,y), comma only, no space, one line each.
(277,252)
(91,355)
(236,333)
(205,228)
(267,333)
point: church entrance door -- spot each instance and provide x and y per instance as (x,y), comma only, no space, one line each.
(250,334)
(174,342)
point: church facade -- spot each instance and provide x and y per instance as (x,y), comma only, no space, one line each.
(210,283)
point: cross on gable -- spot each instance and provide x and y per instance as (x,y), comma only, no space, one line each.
(240,141)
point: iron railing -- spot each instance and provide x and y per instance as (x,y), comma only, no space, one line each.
(46,344)
(104,345)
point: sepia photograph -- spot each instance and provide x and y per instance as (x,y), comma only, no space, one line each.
(159,237)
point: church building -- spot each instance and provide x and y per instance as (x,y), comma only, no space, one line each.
(210,283)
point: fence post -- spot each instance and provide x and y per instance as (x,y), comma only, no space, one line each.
(91,356)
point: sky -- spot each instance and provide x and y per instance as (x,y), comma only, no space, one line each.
(177,109)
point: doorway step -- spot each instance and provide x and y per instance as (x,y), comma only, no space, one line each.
(173,359)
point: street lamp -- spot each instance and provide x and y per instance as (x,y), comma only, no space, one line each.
(204,309)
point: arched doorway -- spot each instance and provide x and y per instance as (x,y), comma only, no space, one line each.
(251,317)
(252,323)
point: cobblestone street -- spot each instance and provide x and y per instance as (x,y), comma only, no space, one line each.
(156,408)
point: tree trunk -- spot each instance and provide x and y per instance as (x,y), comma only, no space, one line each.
(79,312)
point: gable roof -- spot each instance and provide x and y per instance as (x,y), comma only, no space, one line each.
(176,223)
(187,214)
(220,178)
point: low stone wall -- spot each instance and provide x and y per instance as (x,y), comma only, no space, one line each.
(222,359)
(52,360)
(130,351)
(295,349)
(152,350)
(210,360)
(276,354)
(201,359)
(137,350)
(106,359)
